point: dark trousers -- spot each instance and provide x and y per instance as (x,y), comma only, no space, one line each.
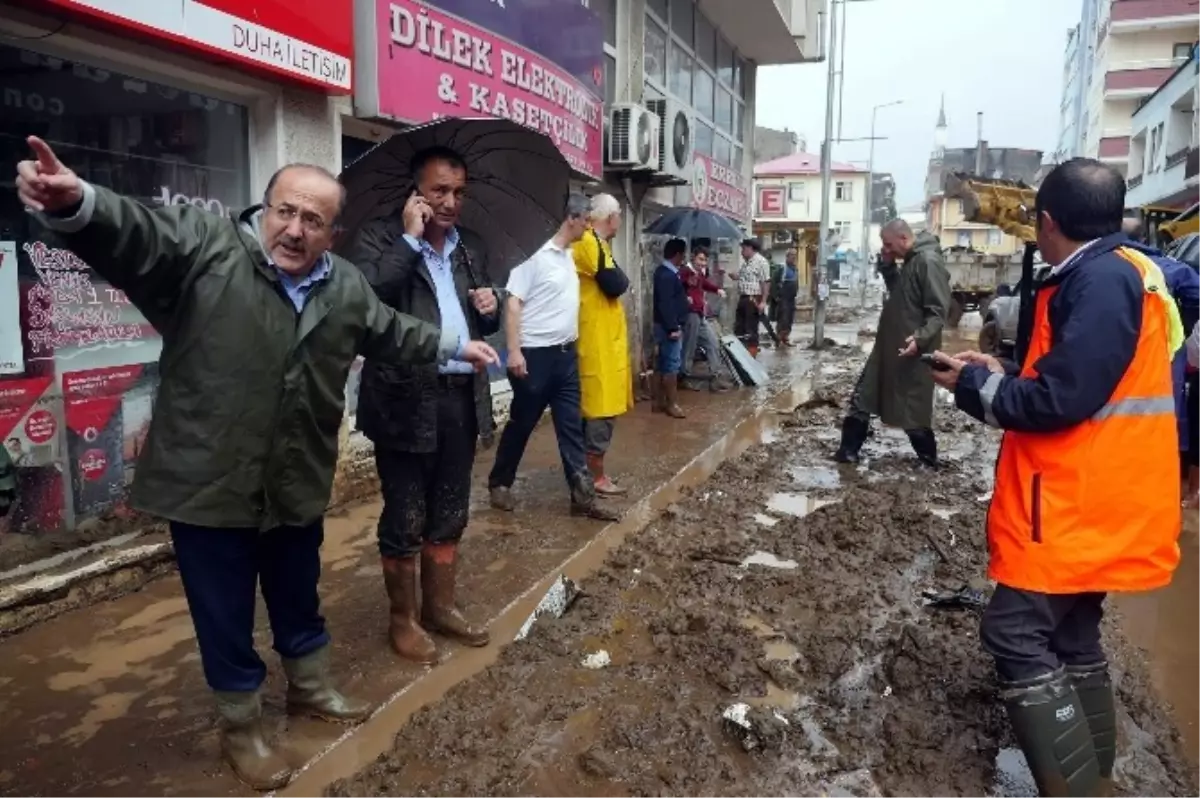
(426,495)
(787,308)
(745,322)
(1032,634)
(221,569)
(552,381)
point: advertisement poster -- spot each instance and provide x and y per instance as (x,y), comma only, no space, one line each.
(30,432)
(719,188)
(107,414)
(12,360)
(432,64)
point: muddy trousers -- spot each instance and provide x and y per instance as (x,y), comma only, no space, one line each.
(426,495)
(1055,684)
(746,321)
(786,318)
(221,570)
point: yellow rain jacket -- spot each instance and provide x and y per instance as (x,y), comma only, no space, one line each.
(603,343)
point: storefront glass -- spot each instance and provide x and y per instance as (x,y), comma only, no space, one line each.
(78,363)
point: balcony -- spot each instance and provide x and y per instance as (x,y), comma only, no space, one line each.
(1114,148)
(1163,140)
(1191,167)
(1134,83)
(770,32)
(1130,16)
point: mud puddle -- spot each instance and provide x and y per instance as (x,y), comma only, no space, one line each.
(766,635)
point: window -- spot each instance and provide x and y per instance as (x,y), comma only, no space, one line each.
(738,158)
(608,12)
(658,7)
(724,61)
(706,41)
(795,192)
(683,21)
(739,77)
(724,111)
(964,238)
(843,191)
(610,80)
(655,41)
(1182,50)
(679,72)
(704,139)
(722,150)
(738,110)
(995,238)
(702,93)
(841,230)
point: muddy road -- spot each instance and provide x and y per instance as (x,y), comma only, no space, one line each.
(786,594)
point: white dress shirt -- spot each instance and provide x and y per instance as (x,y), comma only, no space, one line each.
(549,288)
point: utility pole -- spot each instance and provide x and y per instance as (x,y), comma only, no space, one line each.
(826,170)
(980,161)
(869,210)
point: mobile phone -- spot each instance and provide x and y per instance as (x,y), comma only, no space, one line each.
(934,363)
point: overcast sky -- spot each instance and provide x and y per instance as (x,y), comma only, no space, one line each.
(1001,57)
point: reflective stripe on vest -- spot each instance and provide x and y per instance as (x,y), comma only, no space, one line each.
(1137,406)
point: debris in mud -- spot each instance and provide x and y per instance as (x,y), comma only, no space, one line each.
(755,728)
(558,598)
(964,598)
(597,660)
(768,560)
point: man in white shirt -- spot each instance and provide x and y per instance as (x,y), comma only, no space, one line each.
(541,325)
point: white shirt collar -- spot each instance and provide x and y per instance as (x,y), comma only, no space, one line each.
(1073,256)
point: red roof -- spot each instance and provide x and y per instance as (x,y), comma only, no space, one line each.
(802,163)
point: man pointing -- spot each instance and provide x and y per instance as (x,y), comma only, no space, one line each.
(260,325)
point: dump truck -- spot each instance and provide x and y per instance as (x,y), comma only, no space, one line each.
(975,278)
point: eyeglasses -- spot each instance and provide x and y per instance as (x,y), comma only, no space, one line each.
(311,222)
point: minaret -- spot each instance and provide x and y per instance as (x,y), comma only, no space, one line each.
(940,132)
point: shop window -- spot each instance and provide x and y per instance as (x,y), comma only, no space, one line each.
(722,150)
(706,41)
(610,80)
(679,72)
(724,61)
(656,53)
(704,139)
(683,20)
(724,110)
(658,7)
(738,158)
(702,93)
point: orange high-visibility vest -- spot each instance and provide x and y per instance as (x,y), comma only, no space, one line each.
(1095,507)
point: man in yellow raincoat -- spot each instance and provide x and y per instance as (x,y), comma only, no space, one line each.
(603,343)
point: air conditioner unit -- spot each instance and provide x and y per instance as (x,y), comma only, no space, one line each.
(677,137)
(633,137)
(783,236)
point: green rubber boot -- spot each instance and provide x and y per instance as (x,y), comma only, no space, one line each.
(1052,730)
(1093,685)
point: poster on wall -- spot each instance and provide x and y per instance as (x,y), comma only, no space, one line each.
(12,358)
(107,414)
(30,429)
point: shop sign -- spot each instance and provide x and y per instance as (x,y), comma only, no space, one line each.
(770,202)
(307,40)
(720,188)
(428,64)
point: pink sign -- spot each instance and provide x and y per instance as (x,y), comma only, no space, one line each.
(771,202)
(433,64)
(719,188)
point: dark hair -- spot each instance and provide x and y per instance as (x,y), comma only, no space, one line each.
(674,248)
(1084,197)
(753,243)
(431,154)
(696,251)
(320,170)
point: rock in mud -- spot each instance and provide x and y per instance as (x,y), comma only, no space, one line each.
(757,729)
(554,604)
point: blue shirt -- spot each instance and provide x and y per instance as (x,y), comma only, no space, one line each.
(674,269)
(298,290)
(441,269)
(789,274)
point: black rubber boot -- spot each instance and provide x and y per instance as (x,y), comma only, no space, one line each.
(1052,730)
(855,430)
(925,445)
(1093,685)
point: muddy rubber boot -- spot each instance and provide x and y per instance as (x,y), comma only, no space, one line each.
(583,500)
(925,445)
(502,498)
(407,637)
(311,691)
(244,745)
(656,393)
(670,383)
(1052,730)
(854,432)
(1093,685)
(439,612)
(605,487)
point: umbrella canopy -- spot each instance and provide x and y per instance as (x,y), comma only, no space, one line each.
(517,184)
(689,223)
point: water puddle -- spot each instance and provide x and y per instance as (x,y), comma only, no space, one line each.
(796,504)
(813,477)
(944,513)
(765,520)
(769,560)
(776,648)
(1013,778)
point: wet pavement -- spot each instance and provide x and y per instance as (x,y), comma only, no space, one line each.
(110,699)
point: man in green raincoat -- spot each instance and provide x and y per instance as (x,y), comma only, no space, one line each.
(895,385)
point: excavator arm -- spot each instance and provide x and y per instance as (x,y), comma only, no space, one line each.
(1007,204)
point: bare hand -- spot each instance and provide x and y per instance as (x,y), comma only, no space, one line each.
(416,213)
(947,379)
(910,347)
(675,336)
(980,359)
(479,354)
(721,293)
(761,306)
(44,184)
(516,364)
(484,301)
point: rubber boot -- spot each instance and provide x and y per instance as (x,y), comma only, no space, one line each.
(604,486)
(407,637)
(439,612)
(670,384)
(657,396)
(583,500)
(925,445)
(244,745)
(1052,730)
(1093,685)
(311,691)
(854,431)
(753,350)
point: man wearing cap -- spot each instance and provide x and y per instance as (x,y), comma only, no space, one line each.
(754,281)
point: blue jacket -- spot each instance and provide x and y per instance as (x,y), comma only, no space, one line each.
(670,299)
(1095,322)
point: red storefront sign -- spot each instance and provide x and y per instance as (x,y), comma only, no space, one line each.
(310,41)
(771,202)
(719,188)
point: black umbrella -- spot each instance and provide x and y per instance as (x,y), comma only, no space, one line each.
(689,223)
(517,183)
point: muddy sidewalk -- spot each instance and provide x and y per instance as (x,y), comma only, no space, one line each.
(768,635)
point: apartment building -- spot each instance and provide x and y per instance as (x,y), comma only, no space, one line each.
(1163,146)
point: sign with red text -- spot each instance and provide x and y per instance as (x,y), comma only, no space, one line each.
(719,188)
(311,41)
(770,202)
(427,64)
(12,358)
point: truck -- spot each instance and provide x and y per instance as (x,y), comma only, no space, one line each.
(975,278)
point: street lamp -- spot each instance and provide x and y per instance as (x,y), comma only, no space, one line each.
(870,200)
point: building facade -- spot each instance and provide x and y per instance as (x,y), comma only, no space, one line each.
(1163,145)
(771,144)
(944,218)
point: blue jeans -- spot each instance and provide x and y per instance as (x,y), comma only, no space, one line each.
(552,381)
(670,351)
(221,570)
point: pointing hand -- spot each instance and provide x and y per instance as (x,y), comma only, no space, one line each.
(45,184)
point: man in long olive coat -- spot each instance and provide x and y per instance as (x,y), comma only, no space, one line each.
(260,325)
(895,385)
